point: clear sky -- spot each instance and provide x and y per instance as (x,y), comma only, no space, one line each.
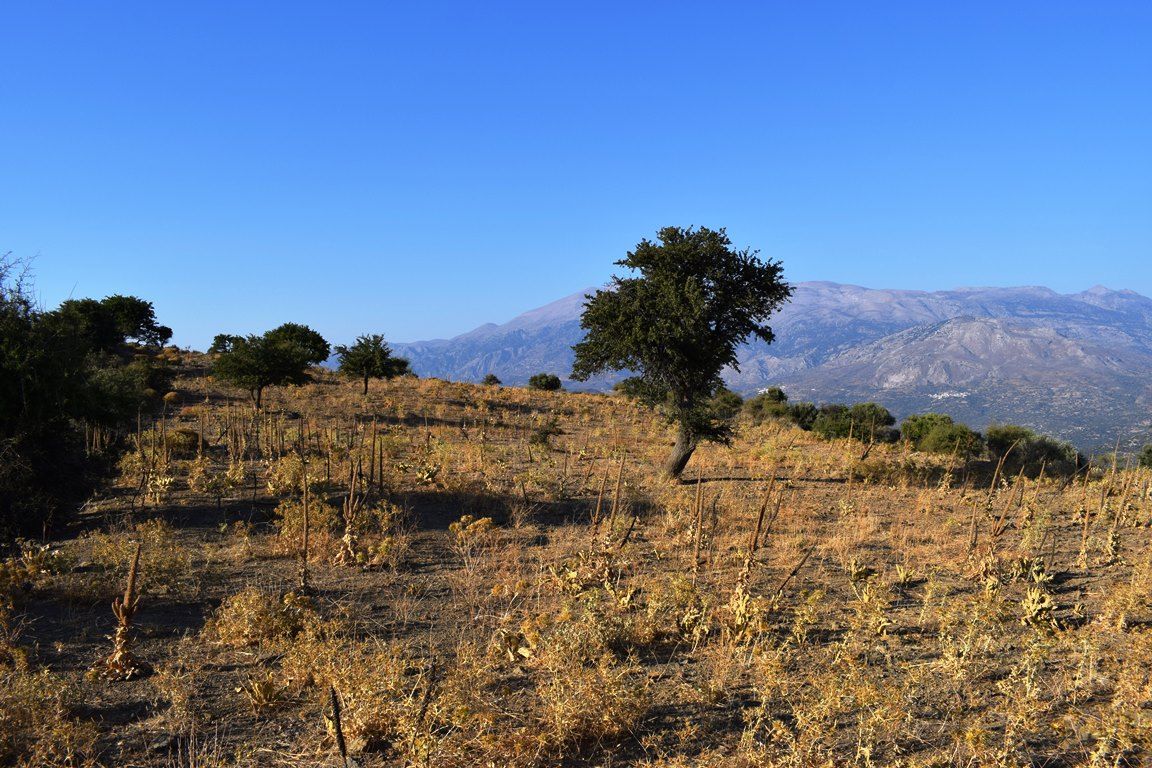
(419,168)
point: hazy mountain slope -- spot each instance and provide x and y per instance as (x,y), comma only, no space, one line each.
(1091,389)
(1073,364)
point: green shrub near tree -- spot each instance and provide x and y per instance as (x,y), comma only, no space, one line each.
(803,415)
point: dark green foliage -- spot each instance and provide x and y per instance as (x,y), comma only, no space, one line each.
(1030,452)
(106,325)
(61,370)
(1146,457)
(832,421)
(279,357)
(548,382)
(726,404)
(1004,437)
(370,358)
(803,415)
(491,380)
(916,428)
(678,324)
(938,433)
(951,439)
(772,403)
(867,422)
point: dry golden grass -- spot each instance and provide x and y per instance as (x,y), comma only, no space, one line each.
(499,577)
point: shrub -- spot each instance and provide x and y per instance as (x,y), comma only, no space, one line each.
(938,433)
(543,434)
(324,525)
(863,421)
(548,382)
(1146,457)
(165,564)
(803,415)
(491,380)
(951,438)
(915,428)
(35,728)
(724,405)
(253,617)
(1030,451)
(771,403)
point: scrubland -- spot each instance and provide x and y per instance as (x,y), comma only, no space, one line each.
(441,574)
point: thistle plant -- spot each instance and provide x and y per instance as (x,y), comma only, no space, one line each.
(123,663)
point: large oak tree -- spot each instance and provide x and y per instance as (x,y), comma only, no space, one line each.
(677,324)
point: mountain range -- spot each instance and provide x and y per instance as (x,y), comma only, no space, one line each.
(1077,366)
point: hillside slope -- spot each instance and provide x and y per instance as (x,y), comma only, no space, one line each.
(1071,364)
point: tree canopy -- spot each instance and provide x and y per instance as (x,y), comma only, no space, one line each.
(109,323)
(677,325)
(549,382)
(370,358)
(61,370)
(279,357)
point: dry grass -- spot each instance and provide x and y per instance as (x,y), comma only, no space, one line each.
(498,577)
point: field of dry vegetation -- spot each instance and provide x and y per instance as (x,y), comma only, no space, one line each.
(499,577)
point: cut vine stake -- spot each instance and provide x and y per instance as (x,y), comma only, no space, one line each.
(304,586)
(338,728)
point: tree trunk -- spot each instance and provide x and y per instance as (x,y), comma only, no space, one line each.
(681,453)
(257,395)
(365,385)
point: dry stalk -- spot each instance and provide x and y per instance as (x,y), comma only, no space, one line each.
(123,663)
(304,586)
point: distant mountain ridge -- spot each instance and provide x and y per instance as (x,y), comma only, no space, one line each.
(1075,365)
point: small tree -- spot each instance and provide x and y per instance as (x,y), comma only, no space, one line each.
(678,324)
(370,358)
(1146,457)
(549,382)
(491,380)
(277,358)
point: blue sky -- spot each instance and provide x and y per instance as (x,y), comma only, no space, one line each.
(420,168)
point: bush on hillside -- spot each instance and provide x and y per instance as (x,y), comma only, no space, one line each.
(867,422)
(772,403)
(1146,457)
(549,382)
(1029,452)
(938,433)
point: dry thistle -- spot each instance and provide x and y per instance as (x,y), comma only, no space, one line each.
(123,664)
